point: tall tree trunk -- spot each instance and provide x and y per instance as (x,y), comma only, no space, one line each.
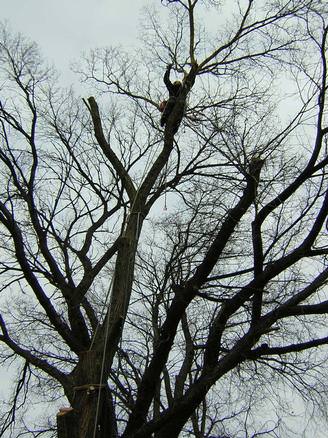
(92,415)
(93,412)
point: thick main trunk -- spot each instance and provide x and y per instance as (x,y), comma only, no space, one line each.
(92,415)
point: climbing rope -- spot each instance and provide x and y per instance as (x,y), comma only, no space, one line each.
(102,364)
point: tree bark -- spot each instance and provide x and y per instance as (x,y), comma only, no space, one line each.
(92,415)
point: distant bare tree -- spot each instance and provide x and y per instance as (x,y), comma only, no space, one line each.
(168,283)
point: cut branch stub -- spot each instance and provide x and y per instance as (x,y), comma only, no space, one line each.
(110,154)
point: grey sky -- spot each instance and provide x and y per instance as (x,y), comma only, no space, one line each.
(63,29)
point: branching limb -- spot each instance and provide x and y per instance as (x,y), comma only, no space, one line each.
(110,154)
(41,364)
(183,296)
(8,221)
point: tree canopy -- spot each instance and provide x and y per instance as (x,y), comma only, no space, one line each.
(168,281)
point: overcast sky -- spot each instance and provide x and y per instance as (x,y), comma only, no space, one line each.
(65,28)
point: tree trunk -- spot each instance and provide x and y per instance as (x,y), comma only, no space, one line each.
(92,415)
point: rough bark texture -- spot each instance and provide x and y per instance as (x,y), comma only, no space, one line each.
(92,414)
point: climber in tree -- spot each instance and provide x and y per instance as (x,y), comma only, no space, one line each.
(174,89)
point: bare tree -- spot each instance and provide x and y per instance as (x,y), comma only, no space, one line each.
(168,281)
